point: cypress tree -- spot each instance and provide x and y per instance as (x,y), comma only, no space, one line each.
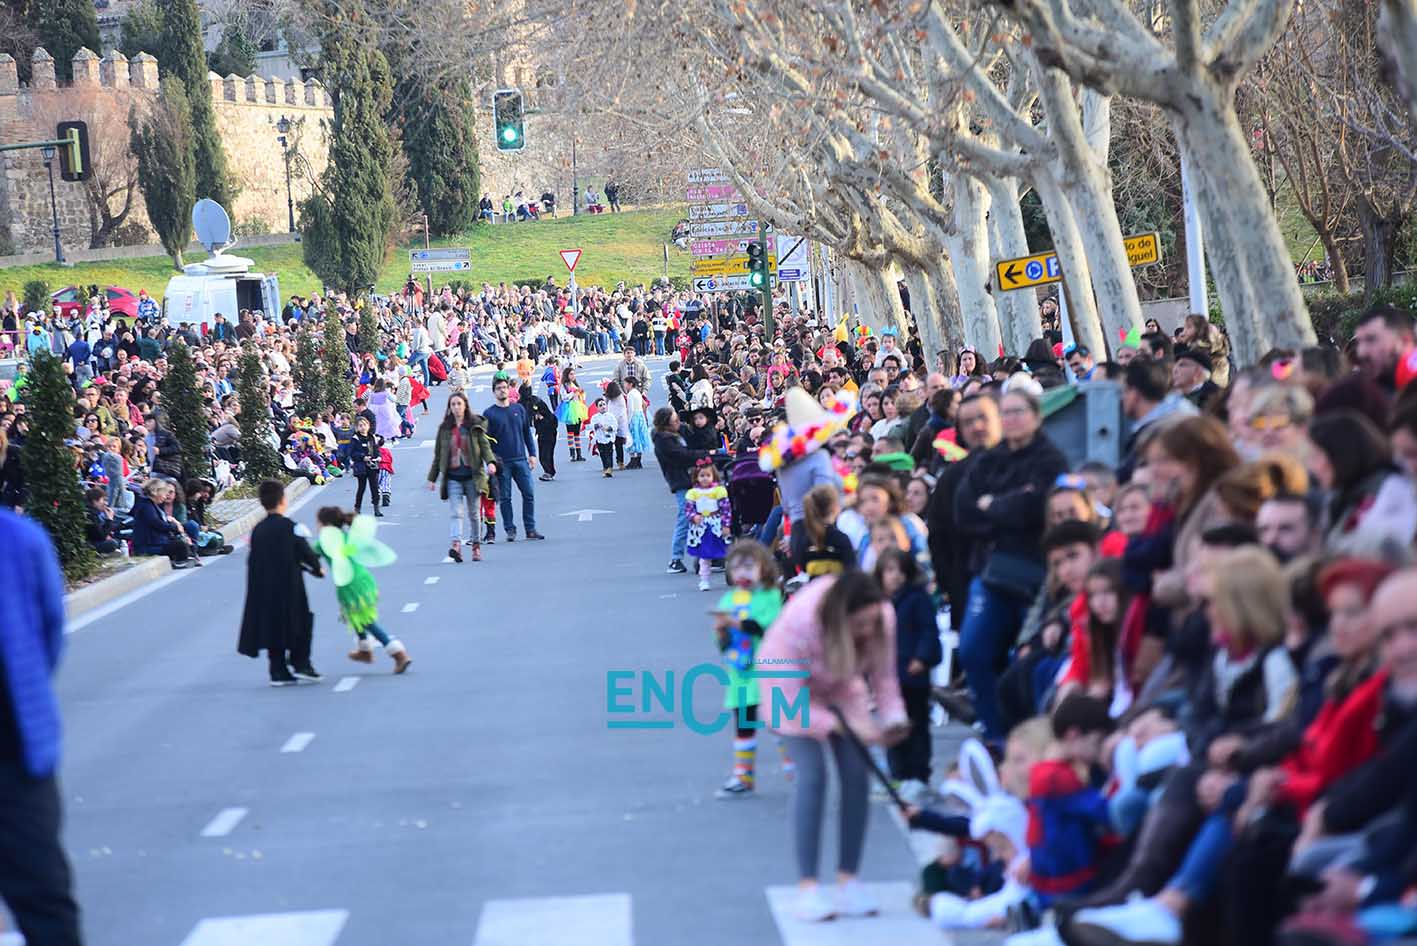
(308,373)
(368,336)
(439,138)
(56,499)
(186,414)
(346,223)
(339,387)
(259,460)
(167,170)
(180,55)
(64,27)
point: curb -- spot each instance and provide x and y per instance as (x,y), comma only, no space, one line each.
(149,569)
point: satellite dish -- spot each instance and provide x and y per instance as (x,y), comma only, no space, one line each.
(211,224)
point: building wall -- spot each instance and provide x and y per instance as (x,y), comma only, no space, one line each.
(247,110)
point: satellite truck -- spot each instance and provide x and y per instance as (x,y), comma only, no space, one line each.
(220,284)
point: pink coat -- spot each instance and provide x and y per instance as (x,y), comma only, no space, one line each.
(794,642)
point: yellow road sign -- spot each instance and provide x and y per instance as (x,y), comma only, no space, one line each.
(1143,249)
(736,265)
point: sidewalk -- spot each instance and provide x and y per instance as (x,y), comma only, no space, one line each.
(235,518)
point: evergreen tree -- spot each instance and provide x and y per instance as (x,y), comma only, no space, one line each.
(368,337)
(180,55)
(64,27)
(259,460)
(339,387)
(167,171)
(346,222)
(439,138)
(235,54)
(56,499)
(186,414)
(141,30)
(308,372)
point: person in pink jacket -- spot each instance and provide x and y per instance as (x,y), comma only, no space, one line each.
(841,630)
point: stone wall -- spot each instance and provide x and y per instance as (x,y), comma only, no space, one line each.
(102,92)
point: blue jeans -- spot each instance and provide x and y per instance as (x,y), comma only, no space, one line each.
(659,343)
(615,341)
(602,342)
(769,529)
(681,525)
(461,493)
(518,471)
(1209,848)
(990,627)
(378,632)
(419,359)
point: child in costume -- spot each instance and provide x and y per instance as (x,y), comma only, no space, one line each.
(347,542)
(709,518)
(549,378)
(344,434)
(386,474)
(640,443)
(572,412)
(742,617)
(604,428)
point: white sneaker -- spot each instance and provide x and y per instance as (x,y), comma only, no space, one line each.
(1143,921)
(1043,936)
(914,791)
(853,899)
(813,906)
(703,584)
(947,910)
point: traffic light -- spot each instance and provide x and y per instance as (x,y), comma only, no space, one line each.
(510,119)
(74,162)
(757,263)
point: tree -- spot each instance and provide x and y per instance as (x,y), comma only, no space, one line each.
(64,27)
(347,220)
(36,296)
(368,336)
(179,54)
(439,135)
(235,54)
(308,373)
(56,499)
(141,29)
(186,414)
(338,386)
(167,170)
(17,36)
(112,187)
(259,460)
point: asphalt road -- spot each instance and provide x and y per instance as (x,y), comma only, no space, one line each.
(479,799)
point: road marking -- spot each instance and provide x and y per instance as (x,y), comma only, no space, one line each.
(897,924)
(313,928)
(427,443)
(224,823)
(447,560)
(346,684)
(595,920)
(298,742)
(588,515)
(411,607)
(431,580)
(673,594)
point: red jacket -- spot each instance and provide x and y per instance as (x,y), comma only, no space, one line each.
(1342,737)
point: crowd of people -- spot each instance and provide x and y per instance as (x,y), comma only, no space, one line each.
(1191,669)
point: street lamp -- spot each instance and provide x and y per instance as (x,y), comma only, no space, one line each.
(283,127)
(48,153)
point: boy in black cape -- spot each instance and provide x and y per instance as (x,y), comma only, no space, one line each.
(277,616)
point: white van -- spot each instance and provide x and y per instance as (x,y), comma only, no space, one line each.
(221,285)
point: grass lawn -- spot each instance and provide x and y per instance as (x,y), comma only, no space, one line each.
(625,246)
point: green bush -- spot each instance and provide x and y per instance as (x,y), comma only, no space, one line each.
(56,499)
(36,294)
(255,226)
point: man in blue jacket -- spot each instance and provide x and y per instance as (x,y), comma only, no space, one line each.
(35,882)
(509,426)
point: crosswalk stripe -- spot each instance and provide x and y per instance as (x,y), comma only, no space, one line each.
(312,928)
(224,823)
(594,920)
(897,923)
(346,684)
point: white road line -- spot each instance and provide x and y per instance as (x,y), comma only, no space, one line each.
(447,560)
(897,923)
(298,742)
(313,928)
(346,684)
(670,595)
(224,823)
(596,920)
(431,580)
(411,607)
(427,443)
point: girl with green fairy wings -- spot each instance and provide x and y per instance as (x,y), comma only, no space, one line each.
(347,542)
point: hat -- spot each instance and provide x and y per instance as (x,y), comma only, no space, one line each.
(809,426)
(1198,355)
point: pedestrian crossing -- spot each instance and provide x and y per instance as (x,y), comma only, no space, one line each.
(601,919)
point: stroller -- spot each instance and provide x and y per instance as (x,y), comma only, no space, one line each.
(752,493)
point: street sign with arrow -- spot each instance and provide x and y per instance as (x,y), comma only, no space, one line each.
(1023,272)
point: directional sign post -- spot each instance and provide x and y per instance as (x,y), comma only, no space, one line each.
(1024,272)
(447,260)
(726,265)
(571,258)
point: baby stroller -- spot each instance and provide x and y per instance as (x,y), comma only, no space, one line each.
(752,493)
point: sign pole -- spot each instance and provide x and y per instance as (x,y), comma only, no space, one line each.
(768,330)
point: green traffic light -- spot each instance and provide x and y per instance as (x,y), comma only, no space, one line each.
(755,280)
(509,134)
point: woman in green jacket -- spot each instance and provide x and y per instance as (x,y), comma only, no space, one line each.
(462,458)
